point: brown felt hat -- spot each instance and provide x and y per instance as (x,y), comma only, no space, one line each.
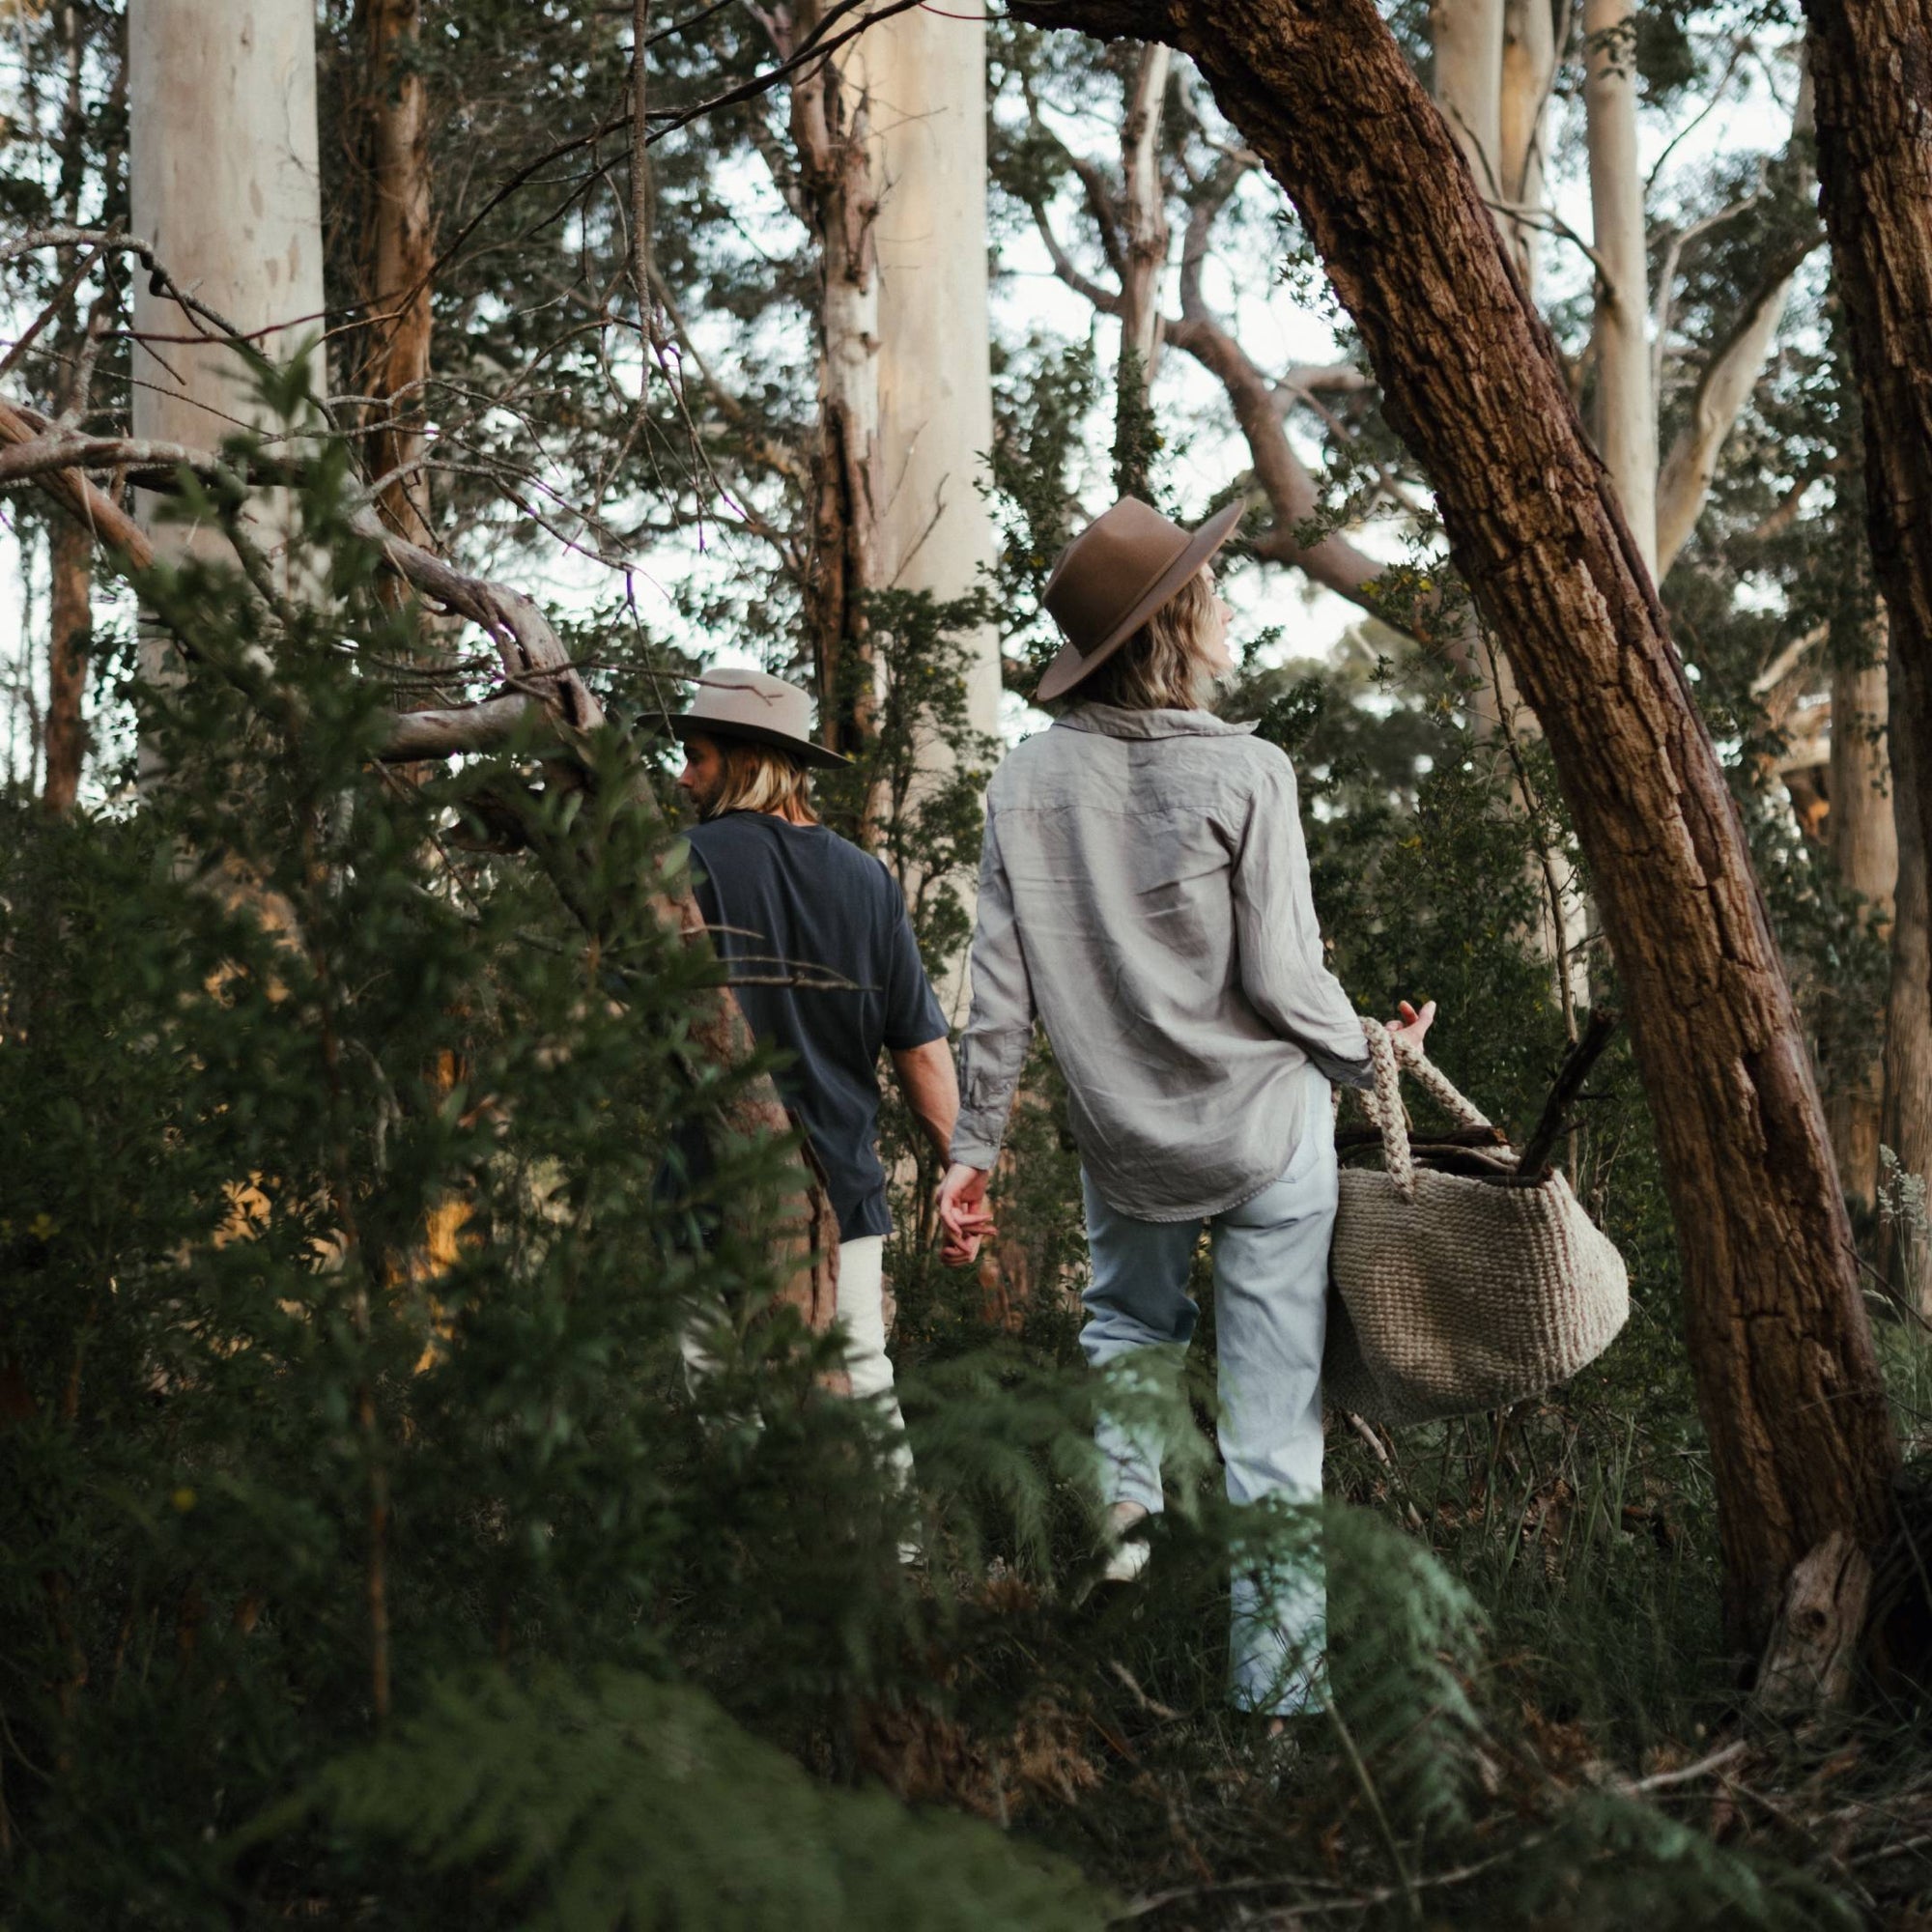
(1114,575)
(751,704)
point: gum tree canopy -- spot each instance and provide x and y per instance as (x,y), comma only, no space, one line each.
(1786,1376)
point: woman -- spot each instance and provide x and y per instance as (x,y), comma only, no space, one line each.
(1144,893)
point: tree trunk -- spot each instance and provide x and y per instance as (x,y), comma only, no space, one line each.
(224,183)
(831,130)
(1467,40)
(1864,844)
(69,643)
(1523,132)
(1625,402)
(1144,237)
(1786,1375)
(399,247)
(1905,1243)
(1872,69)
(935,363)
(1484,62)
(1729,378)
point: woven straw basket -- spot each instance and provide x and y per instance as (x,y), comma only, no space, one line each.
(1451,1293)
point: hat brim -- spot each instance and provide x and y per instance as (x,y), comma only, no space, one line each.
(1074,665)
(691,725)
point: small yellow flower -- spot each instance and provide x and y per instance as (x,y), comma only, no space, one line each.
(184,1499)
(43,1226)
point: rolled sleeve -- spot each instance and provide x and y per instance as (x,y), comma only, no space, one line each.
(1282,970)
(998,1032)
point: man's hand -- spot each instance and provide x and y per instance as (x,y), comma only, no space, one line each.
(1413,1025)
(962,1213)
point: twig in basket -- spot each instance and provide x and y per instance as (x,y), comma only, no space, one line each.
(1349,1138)
(1569,1078)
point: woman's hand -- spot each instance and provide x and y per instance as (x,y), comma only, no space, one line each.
(1413,1025)
(962,1213)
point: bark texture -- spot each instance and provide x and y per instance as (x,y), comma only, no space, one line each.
(399,248)
(831,117)
(1786,1375)
(70,637)
(1864,844)
(1871,72)
(1905,1127)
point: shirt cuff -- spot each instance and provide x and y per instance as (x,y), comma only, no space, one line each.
(971,1148)
(1343,1072)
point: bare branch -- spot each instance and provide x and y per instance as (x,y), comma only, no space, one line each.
(1107,301)
(414,735)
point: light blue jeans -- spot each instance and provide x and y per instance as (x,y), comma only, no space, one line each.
(1270,1318)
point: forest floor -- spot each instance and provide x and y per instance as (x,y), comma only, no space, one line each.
(1610,1774)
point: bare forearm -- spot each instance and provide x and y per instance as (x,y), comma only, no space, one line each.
(932,1088)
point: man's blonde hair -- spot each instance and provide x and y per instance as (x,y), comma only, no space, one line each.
(1160,667)
(761,778)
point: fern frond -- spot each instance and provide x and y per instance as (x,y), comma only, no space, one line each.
(624,1800)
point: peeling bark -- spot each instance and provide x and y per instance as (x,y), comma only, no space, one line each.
(1864,844)
(1467,40)
(69,641)
(831,130)
(1786,1375)
(1905,1125)
(399,248)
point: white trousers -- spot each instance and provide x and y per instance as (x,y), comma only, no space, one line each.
(862,1314)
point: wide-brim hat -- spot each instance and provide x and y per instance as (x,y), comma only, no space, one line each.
(761,709)
(1114,575)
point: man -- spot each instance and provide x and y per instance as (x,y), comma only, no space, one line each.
(827,968)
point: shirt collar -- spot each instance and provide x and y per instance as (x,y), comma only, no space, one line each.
(1113,721)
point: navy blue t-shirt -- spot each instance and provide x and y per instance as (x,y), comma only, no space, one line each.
(784,899)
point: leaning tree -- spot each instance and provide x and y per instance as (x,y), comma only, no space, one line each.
(1787,1379)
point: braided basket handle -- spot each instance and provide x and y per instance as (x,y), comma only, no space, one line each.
(1453,1099)
(1388,1056)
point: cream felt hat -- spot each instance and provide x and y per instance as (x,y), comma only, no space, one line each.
(751,704)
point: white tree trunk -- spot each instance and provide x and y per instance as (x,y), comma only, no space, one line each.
(1726,383)
(1523,132)
(1145,210)
(1626,406)
(928,75)
(1467,37)
(224,183)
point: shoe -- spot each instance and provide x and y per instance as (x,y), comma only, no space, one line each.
(1125,1561)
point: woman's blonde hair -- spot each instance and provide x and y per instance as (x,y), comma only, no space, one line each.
(761,778)
(1160,667)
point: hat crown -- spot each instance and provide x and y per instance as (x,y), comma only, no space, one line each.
(1106,570)
(731,696)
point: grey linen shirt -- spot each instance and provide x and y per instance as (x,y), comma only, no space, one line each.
(1144,891)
